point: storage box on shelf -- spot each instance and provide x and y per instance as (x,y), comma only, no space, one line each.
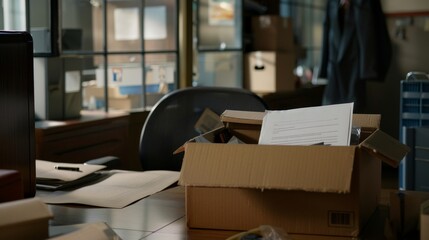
(270,71)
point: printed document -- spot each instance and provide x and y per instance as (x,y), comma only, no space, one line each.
(327,125)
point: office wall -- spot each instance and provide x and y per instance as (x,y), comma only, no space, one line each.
(397,6)
(409,36)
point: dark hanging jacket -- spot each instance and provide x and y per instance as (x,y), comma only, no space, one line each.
(356,48)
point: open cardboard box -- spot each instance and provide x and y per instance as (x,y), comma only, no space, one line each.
(316,190)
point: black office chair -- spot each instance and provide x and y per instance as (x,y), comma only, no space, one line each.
(171,121)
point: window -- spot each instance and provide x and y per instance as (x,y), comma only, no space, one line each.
(218,44)
(124,52)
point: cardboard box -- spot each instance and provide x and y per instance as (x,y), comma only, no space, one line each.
(315,190)
(27,219)
(269,71)
(272,33)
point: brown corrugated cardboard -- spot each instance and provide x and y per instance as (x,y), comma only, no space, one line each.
(27,219)
(424,220)
(245,125)
(272,33)
(244,117)
(270,167)
(267,72)
(369,121)
(316,190)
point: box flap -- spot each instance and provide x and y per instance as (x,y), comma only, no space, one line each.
(367,120)
(246,117)
(385,147)
(220,134)
(308,168)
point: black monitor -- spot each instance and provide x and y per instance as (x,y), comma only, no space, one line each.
(17,146)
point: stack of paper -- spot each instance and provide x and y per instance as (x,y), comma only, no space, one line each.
(327,125)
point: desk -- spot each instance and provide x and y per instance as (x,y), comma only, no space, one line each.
(94,135)
(162,216)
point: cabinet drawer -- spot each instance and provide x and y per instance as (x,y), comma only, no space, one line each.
(78,142)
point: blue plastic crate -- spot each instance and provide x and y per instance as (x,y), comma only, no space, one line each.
(414,112)
(408,86)
(414,104)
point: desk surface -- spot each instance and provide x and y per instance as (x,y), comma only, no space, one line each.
(87,117)
(160,216)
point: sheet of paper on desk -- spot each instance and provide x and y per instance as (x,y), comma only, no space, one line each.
(330,125)
(117,191)
(47,171)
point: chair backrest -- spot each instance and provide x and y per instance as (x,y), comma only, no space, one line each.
(171,121)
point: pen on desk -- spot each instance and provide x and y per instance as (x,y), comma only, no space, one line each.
(75,169)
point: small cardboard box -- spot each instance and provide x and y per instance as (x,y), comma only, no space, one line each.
(26,219)
(269,71)
(272,33)
(315,190)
